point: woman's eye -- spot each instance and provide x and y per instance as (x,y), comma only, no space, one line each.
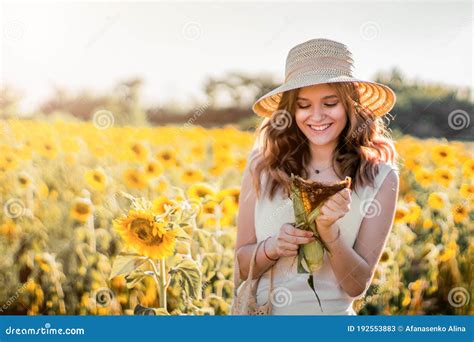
(303,107)
(331,104)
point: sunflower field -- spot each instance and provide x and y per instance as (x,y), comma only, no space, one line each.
(142,220)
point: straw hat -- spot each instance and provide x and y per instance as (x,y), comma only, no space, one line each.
(320,61)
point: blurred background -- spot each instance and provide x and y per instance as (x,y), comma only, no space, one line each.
(154,98)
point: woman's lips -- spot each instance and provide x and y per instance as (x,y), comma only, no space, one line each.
(320,128)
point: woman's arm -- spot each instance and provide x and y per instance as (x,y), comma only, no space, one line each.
(285,243)
(246,238)
(355,267)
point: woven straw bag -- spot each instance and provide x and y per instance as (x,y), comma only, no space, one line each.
(245,300)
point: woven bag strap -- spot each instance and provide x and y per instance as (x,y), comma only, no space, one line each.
(270,291)
(252,265)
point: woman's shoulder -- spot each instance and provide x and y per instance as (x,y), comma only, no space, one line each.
(384,169)
(386,166)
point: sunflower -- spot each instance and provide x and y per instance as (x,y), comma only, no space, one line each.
(448,252)
(216,170)
(459,213)
(24,179)
(81,210)
(138,151)
(436,200)
(412,164)
(406,298)
(48,149)
(468,168)
(467,191)
(135,179)
(427,223)
(423,177)
(143,233)
(198,152)
(386,256)
(160,203)
(241,163)
(153,168)
(233,193)
(228,208)
(96,179)
(401,214)
(442,155)
(224,159)
(8,161)
(192,176)
(443,176)
(8,229)
(201,191)
(167,157)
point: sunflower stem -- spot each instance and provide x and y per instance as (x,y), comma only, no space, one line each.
(162,287)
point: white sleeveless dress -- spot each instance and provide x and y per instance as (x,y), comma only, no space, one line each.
(292,294)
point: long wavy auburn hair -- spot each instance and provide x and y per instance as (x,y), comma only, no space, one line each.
(364,142)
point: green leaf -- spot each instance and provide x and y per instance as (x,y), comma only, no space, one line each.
(301,261)
(125,263)
(188,275)
(311,284)
(135,276)
(312,215)
(181,234)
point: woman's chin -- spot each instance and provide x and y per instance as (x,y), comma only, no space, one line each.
(320,140)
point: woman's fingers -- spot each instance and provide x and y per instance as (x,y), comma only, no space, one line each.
(288,246)
(290,230)
(346,193)
(296,240)
(289,253)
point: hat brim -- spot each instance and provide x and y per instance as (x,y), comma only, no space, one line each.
(377,97)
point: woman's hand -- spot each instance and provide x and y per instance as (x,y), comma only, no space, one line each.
(333,209)
(286,242)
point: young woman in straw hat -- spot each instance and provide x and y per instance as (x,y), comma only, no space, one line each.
(323,124)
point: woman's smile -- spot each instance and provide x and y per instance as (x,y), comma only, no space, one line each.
(318,129)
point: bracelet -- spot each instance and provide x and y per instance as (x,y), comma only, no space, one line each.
(265,252)
(337,237)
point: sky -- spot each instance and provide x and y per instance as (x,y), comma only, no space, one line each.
(175,46)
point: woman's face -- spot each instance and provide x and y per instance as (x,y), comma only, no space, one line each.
(317,107)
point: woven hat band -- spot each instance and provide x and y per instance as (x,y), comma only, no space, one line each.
(328,65)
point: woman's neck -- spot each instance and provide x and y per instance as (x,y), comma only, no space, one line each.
(321,155)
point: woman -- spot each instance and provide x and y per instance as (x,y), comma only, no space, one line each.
(322,124)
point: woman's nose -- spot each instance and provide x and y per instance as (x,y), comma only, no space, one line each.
(318,116)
